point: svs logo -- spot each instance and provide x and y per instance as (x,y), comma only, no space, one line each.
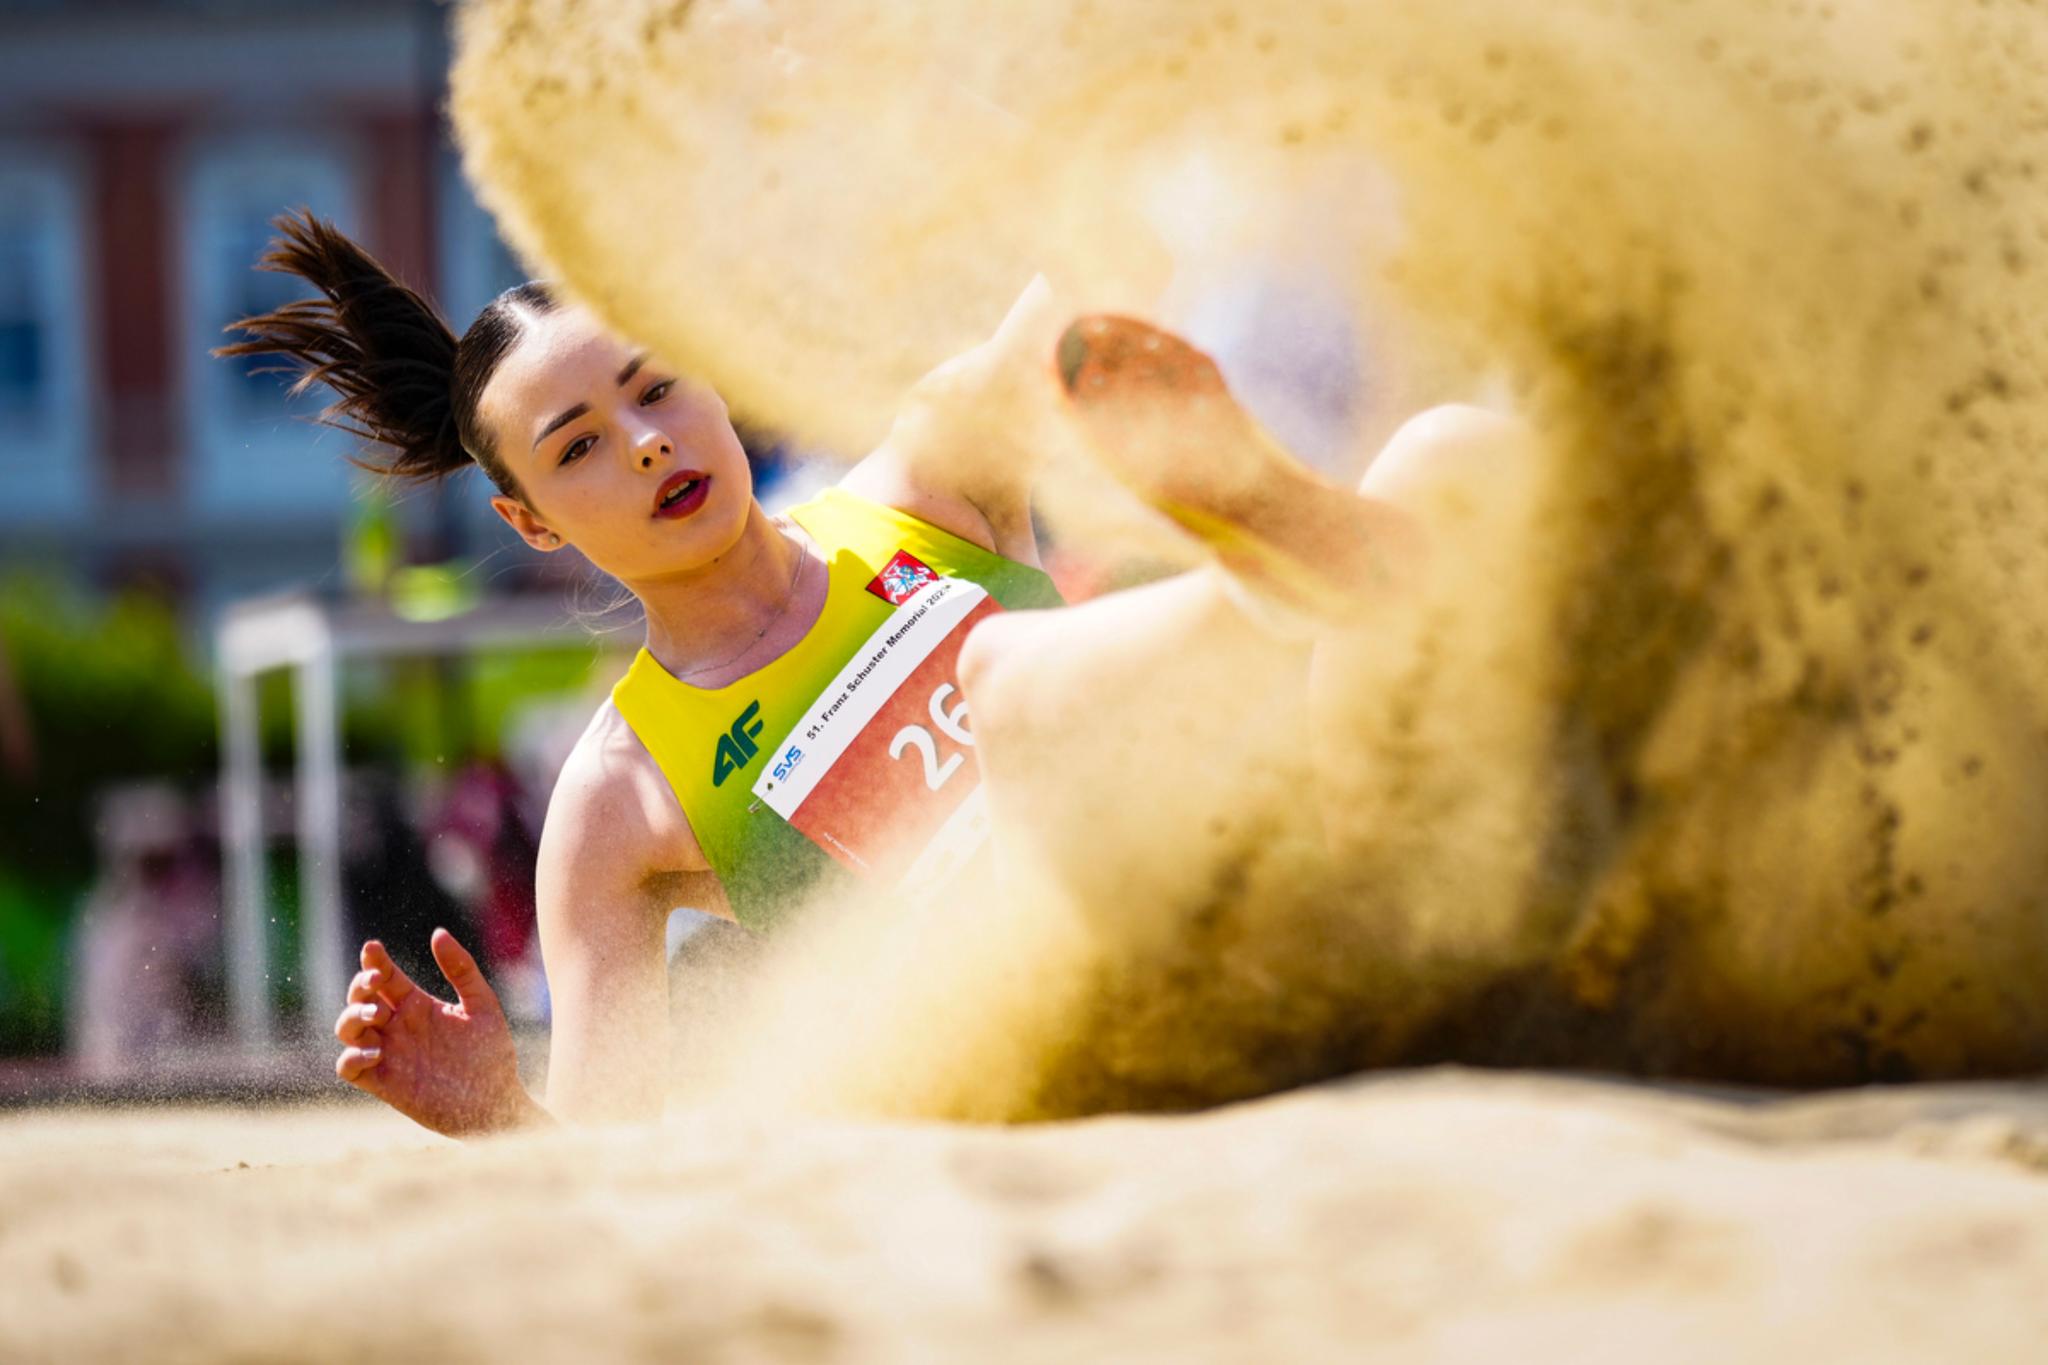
(790,758)
(736,747)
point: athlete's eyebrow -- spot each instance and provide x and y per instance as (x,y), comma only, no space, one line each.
(568,415)
(632,368)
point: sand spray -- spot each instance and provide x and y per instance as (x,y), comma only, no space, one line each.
(1716,743)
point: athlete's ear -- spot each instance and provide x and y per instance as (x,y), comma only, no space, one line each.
(520,518)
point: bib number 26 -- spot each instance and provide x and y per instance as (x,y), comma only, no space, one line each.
(950,723)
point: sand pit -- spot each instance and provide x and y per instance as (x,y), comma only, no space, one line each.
(1431,1215)
(1727,756)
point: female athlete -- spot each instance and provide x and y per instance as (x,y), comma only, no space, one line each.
(769,640)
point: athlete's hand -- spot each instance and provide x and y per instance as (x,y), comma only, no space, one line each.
(449,1067)
(1002,391)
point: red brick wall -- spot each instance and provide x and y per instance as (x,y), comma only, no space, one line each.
(134,237)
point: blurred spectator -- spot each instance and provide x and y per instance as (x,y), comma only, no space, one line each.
(482,851)
(146,948)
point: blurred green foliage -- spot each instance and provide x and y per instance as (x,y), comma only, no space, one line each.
(111,694)
(426,713)
(114,693)
(32,961)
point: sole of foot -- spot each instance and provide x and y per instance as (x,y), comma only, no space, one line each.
(1156,414)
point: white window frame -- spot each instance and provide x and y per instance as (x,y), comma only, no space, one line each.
(46,471)
(237,465)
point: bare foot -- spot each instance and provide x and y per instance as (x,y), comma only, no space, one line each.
(1155,413)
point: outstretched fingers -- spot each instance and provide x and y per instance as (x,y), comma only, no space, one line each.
(463,974)
(357,1065)
(372,1002)
(359,1019)
(393,984)
(364,986)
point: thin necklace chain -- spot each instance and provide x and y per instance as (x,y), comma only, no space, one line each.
(802,556)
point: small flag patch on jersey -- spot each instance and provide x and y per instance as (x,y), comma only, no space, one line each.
(901,577)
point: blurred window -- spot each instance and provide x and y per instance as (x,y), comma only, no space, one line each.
(23,364)
(253,447)
(476,265)
(44,423)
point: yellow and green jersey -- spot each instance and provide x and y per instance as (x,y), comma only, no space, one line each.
(822,703)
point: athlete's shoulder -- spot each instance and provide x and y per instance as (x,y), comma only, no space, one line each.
(887,481)
(612,805)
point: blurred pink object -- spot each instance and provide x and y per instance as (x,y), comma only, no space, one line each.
(148,932)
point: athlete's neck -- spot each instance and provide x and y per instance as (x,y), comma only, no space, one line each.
(736,613)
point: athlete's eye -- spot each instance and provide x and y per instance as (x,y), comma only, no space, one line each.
(577,449)
(656,392)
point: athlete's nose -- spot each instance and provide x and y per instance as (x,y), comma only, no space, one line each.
(651,445)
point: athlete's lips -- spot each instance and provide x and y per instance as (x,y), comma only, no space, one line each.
(671,504)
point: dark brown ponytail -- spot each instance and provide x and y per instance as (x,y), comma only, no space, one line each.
(401,379)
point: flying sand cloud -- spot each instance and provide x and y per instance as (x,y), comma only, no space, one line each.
(1717,744)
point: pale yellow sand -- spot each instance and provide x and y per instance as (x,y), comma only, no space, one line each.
(1765,794)
(1442,1215)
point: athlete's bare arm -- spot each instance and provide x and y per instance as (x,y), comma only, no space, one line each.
(616,856)
(969,439)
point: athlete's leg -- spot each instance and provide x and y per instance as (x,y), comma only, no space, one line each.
(1121,737)
(1118,736)
(1156,415)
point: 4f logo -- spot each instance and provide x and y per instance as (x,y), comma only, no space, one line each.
(736,747)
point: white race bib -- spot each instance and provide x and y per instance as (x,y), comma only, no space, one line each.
(880,771)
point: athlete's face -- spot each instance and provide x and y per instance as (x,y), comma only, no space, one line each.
(618,454)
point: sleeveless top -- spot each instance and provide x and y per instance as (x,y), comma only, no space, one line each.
(714,743)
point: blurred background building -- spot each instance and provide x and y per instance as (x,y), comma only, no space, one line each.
(144,149)
(146,488)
